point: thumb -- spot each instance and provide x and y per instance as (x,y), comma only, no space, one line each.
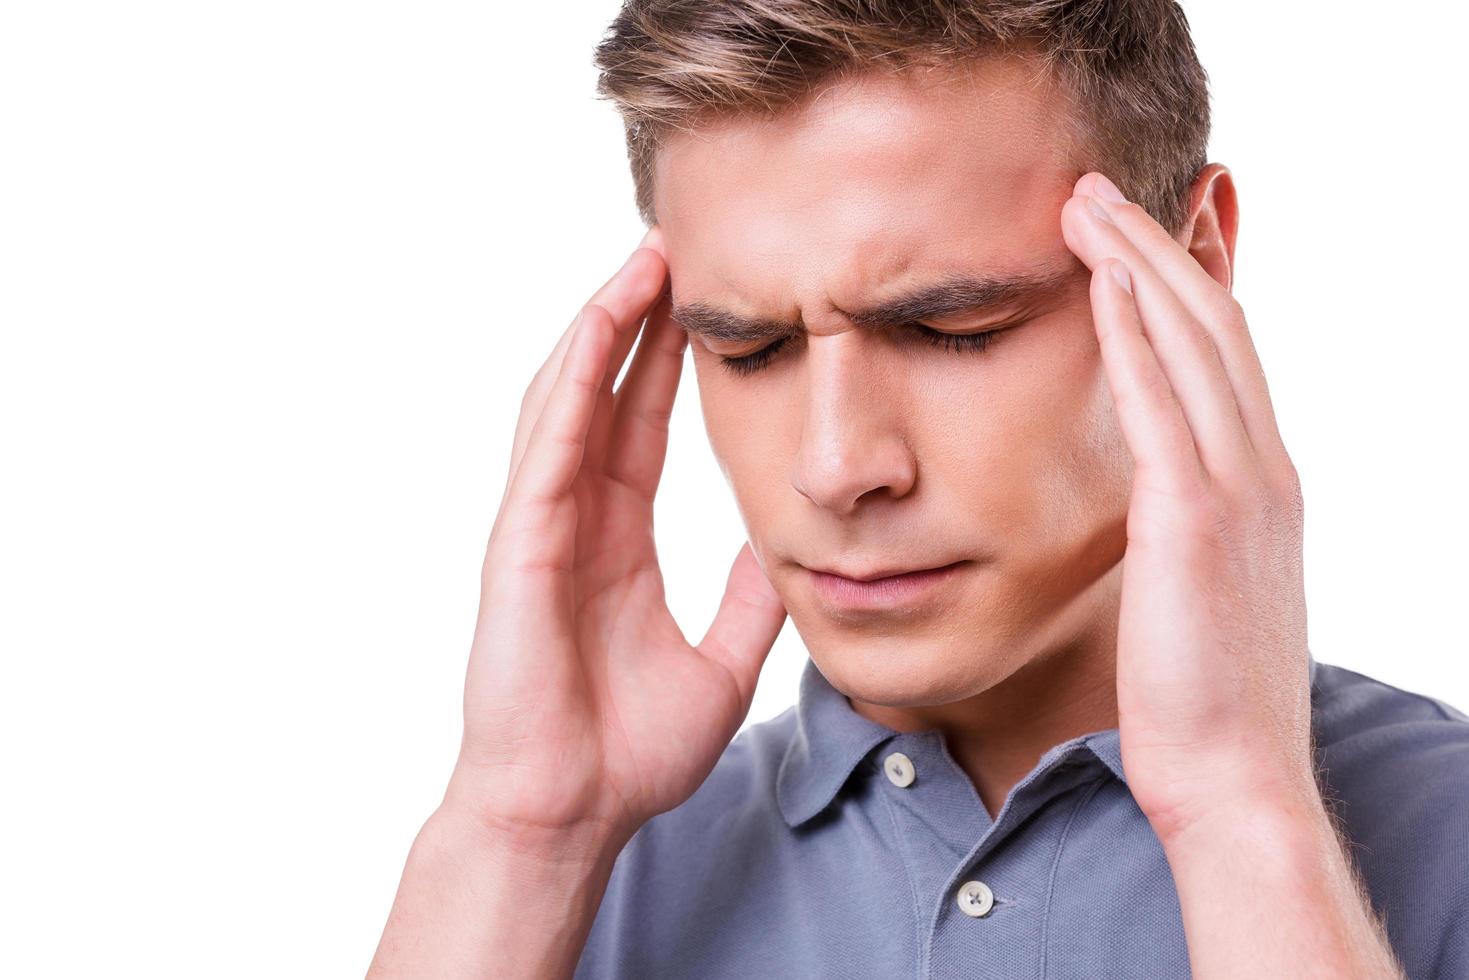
(749,619)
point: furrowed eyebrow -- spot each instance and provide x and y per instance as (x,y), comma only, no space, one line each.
(953,295)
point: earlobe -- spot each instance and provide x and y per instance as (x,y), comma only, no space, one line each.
(1213,223)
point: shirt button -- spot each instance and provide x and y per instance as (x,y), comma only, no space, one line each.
(899,769)
(975,898)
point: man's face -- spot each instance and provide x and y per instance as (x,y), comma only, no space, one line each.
(864,444)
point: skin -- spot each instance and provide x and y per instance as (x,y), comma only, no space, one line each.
(881,450)
(1127,417)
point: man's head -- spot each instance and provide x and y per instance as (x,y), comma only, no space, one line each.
(817,167)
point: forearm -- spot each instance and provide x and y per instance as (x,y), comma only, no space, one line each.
(475,904)
(1267,890)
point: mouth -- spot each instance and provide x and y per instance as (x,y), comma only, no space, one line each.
(883,589)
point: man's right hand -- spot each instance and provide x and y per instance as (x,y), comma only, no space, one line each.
(585,709)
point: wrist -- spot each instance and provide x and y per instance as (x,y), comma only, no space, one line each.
(1281,818)
(1232,794)
(1266,888)
(469,830)
(485,807)
(468,890)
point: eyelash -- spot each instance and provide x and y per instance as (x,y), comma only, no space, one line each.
(958,342)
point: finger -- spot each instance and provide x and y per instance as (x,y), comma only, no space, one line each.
(653,242)
(535,502)
(1164,450)
(1213,306)
(749,619)
(1180,343)
(627,333)
(644,403)
(623,296)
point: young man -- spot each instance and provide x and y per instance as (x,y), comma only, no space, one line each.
(1007,458)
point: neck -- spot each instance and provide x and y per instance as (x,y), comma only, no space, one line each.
(1068,689)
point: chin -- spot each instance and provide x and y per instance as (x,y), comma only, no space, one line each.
(907,669)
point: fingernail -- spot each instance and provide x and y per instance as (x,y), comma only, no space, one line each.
(1123,277)
(1107,190)
(1096,208)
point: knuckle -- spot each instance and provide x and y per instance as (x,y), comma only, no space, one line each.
(1215,518)
(1276,495)
(1274,511)
(566,442)
(1205,339)
(657,419)
(585,385)
(1292,500)
(1222,302)
(1211,513)
(1290,477)
(1156,389)
(1238,518)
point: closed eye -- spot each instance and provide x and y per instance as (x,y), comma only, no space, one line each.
(748,364)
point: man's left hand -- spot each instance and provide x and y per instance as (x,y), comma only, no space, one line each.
(1213,698)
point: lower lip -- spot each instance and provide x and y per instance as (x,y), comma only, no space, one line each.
(883,593)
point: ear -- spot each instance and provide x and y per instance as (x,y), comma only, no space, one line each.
(1213,222)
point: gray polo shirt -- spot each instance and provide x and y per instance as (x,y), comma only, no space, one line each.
(824,844)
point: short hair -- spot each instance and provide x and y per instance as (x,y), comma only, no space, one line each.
(1136,93)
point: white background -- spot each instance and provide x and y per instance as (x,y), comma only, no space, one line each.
(273,278)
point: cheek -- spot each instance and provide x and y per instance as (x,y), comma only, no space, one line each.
(1036,453)
(745,445)
(1078,459)
(722,406)
(1093,462)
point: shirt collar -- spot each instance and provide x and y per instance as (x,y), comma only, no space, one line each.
(831,738)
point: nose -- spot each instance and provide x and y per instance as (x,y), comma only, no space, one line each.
(853,436)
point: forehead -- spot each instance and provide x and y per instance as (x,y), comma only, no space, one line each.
(873,184)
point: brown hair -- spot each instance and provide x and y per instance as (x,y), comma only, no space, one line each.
(1137,93)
